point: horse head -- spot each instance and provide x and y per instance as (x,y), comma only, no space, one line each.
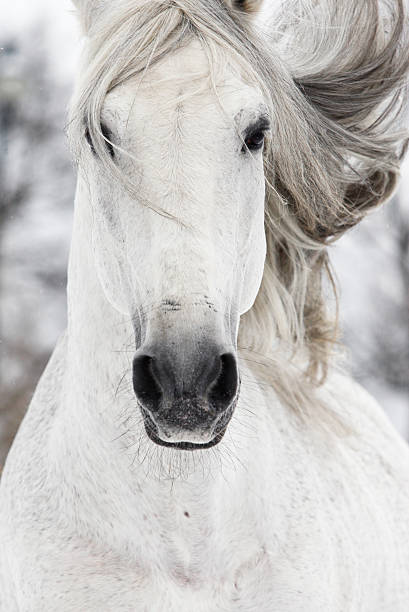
(219,166)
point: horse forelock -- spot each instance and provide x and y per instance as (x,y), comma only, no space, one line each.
(328,161)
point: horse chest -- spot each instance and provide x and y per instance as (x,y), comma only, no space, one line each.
(104,584)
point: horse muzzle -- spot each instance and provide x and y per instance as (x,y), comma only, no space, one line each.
(187,399)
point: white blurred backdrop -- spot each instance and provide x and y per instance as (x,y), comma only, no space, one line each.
(40,44)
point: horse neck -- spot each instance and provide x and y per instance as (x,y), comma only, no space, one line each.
(89,438)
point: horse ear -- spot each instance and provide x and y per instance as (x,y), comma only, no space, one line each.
(250,7)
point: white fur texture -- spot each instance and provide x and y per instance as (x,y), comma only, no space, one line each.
(283,515)
(278,517)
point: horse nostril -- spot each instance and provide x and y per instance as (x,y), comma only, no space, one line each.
(223,387)
(146,386)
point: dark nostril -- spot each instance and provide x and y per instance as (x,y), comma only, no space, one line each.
(223,388)
(146,386)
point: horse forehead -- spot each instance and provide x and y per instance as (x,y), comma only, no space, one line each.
(183,83)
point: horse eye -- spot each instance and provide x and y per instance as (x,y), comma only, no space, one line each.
(254,141)
(106,134)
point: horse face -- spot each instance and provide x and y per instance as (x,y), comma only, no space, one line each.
(183,251)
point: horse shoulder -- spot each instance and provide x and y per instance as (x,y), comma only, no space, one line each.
(26,471)
(374,461)
(368,423)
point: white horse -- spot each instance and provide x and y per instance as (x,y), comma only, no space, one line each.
(145,477)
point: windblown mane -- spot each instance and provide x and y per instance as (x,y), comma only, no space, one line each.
(333,75)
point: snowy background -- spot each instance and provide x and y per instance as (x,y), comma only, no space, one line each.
(40,44)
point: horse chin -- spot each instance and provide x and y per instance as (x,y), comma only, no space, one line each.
(219,431)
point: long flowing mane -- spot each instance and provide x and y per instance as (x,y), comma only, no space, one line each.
(332,74)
